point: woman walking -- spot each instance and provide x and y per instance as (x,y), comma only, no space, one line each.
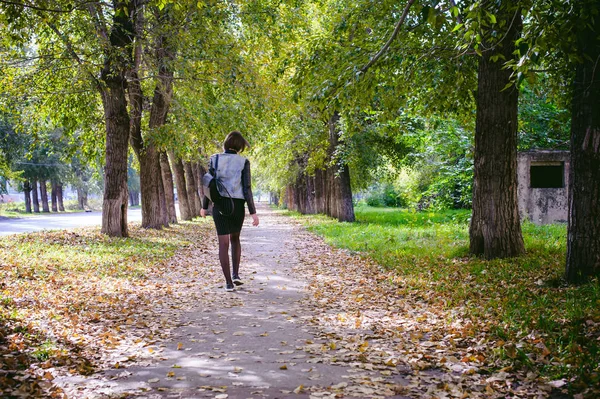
(233,171)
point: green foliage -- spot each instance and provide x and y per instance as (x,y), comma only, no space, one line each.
(543,123)
(384,195)
(522,301)
(436,170)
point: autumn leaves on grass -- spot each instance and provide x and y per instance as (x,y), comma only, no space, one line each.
(66,298)
(417,284)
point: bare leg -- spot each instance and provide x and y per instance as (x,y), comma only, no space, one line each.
(236,253)
(224,257)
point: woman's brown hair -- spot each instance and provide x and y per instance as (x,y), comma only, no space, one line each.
(235,141)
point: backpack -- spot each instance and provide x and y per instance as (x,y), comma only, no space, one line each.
(211,186)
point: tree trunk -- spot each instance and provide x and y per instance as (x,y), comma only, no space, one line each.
(147,154)
(114,204)
(343,198)
(153,214)
(583,237)
(198,184)
(311,199)
(192,190)
(182,196)
(154,204)
(133,198)
(112,85)
(54,196)
(44,196)
(164,212)
(201,171)
(27,192)
(82,198)
(495,230)
(198,171)
(59,194)
(167,178)
(35,197)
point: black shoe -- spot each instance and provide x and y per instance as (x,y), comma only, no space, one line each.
(229,287)
(237,280)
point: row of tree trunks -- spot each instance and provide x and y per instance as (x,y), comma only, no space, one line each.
(30,189)
(57,197)
(327,191)
(82,198)
(134,198)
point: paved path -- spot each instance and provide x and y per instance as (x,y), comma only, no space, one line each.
(252,343)
(58,221)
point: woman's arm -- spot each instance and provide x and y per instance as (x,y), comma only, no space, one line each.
(247,188)
(205,199)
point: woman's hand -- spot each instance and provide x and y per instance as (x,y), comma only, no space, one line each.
(255,220)
(203,212)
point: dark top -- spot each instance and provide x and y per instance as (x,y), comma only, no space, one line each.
(246,186)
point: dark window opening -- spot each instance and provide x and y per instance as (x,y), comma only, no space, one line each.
(547,175)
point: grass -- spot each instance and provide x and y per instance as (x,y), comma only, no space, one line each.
(17,209)
(522,300)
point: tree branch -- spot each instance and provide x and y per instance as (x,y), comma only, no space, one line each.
(390,40)
(38,8)
(72,52)
(99,21)
(458,17)
(136,95)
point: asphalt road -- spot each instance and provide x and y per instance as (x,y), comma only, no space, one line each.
(58,221)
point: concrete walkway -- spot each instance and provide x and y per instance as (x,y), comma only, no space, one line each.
(57,221)
(251,343)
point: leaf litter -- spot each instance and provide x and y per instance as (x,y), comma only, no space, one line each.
(366,319)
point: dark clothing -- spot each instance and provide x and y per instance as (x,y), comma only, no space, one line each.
(227,222)
(246,186)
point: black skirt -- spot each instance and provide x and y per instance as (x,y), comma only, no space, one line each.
(228,222)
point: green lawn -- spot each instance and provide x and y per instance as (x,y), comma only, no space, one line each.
(519,297)
(17,209)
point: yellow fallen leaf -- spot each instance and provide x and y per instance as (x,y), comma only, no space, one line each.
(171,374)
(179,346)
(363,347)
(284,367)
